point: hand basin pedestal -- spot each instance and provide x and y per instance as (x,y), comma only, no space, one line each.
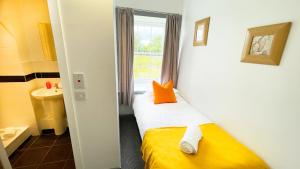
(51,114)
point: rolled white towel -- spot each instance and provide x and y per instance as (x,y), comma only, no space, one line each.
(190,140)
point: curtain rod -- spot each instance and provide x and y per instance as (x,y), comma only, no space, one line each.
(149,11)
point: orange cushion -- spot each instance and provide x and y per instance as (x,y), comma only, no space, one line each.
(163,93)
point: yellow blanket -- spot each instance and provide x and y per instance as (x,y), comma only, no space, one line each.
(217,150)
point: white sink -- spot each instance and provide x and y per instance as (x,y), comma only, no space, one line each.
(52,115)
(44,93)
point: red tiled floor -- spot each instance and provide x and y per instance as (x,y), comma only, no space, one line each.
(63,139)
(15,156)
(44,152)
(56,165)
(58,153)
(28,142)
(71,155)
(28,167)
(31,157)
(70,164)
(44,141)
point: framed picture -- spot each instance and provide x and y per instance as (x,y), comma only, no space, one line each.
(265,44)
(201,32)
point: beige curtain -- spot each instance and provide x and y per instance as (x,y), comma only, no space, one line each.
(125,38)
(171,49)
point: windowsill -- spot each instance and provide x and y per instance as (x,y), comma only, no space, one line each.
(141,88)
(139,92)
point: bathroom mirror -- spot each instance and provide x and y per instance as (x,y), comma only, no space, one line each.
(47,41)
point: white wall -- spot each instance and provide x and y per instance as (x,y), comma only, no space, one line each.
(88,32)
(171,6)
(20,41)
(258,104)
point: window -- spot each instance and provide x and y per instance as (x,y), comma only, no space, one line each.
(149,34)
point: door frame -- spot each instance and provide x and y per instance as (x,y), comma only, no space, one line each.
(66,80)
(65,74)
(3,157)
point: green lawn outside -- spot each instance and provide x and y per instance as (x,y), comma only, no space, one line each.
(145,67)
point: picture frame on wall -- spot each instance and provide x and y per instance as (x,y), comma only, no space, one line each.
(201,32)
(265,44)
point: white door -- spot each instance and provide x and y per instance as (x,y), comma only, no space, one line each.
(4,162)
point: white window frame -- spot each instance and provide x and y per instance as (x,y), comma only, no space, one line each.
(141,88)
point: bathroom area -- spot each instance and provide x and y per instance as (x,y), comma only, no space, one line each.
(33,122)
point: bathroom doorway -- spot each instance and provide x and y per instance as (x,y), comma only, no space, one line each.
(33,122)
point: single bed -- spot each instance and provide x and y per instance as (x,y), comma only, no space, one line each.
(162,126)
(149,115)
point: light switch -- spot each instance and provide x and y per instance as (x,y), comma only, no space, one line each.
(80,95)
(78,81)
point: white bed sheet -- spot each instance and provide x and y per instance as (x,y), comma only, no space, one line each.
(149,115)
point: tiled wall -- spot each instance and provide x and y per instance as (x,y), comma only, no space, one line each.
(17,107)
(28,77)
